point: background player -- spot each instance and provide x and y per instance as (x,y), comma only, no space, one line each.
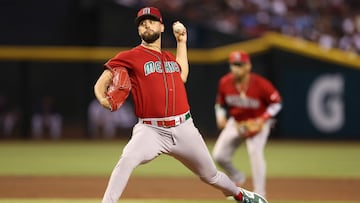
(165,125)
(245,103)
(46,116)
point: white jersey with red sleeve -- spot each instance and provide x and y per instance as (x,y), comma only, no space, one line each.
(155,82)
(259,95)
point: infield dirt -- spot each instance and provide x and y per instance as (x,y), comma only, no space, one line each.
(166,188)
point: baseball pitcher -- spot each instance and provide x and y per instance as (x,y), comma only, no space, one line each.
(156,81)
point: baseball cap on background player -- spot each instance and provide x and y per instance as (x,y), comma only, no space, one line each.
(239,58)
(148,13)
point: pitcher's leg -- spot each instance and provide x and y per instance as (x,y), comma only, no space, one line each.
(144,146)
(192,151)
(119,179)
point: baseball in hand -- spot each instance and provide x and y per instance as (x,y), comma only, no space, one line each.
(179,27)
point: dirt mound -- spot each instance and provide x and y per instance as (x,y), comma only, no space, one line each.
(160,187)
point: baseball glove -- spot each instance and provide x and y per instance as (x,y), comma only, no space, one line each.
(250,127)
(119,89)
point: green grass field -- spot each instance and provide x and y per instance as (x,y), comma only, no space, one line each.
(95,157)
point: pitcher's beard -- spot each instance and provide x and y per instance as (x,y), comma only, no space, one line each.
(150,38)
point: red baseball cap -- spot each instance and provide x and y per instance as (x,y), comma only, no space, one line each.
(239,57)
(148,13)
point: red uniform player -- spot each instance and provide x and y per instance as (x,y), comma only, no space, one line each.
(165,124)
(245,103)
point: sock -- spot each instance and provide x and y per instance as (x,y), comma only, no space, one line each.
(239,197)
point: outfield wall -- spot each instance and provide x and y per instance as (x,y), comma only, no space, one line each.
(321,99)
(58,48)
(320,87)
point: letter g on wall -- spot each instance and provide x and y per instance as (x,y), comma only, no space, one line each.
(325,103)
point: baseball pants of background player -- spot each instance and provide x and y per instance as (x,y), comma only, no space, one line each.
(227,143)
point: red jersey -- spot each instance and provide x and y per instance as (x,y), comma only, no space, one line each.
(157,88)
(259,94)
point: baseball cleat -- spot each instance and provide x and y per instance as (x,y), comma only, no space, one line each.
(251,197)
